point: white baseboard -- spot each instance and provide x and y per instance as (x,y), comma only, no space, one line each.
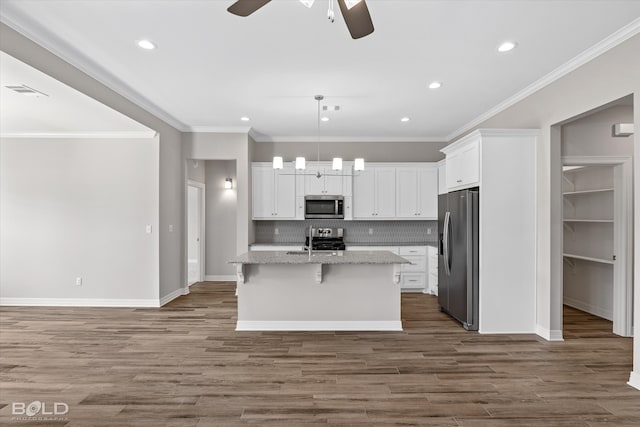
(254,325)
(634,380)
(514,332)
(79,302)
(220,278)
(548,334)
(173,295)
(589,308)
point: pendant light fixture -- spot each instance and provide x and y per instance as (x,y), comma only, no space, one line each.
(336,164)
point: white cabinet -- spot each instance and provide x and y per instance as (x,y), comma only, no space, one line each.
(463,165)
(413,276)
(374,193)
(274,192)
(501,162)
(330,182)
(442,177)
(416,193)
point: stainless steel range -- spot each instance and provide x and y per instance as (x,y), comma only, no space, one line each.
(325,239)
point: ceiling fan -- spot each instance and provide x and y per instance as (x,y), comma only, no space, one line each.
(355,12)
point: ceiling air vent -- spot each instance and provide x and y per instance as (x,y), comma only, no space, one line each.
(26,90)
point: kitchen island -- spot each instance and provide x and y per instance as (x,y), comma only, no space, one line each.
(327,291)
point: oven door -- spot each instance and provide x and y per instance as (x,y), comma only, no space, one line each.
(324,207)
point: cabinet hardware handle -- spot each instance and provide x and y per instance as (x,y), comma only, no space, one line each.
(459,180)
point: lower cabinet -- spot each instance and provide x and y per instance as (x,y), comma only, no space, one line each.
(413,277)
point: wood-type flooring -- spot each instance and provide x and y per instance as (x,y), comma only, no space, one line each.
(185,365)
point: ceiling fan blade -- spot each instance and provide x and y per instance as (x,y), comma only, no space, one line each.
(246,7)
(357,19)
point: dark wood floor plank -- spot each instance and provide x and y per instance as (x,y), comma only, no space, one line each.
(184,365)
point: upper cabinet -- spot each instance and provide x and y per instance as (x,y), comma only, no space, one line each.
(417,192)
(274,192)
(374,193)
(329,182)
(442,177)
(463,164)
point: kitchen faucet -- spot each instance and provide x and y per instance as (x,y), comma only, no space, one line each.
(310,245)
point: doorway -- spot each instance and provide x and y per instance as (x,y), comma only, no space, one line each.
(596,209)
(195,231)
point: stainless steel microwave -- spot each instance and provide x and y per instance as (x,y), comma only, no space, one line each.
(324,207)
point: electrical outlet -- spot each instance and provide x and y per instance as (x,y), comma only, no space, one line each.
(428,231)
(170,228)
(78,281)
(370,231)
(148,229)
(276,231)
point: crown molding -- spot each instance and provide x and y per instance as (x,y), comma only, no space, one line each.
(81,135)
(611,41)
(266,138)
(71,55)
(219,129)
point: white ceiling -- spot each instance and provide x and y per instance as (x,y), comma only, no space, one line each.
(211,67)
(64,111)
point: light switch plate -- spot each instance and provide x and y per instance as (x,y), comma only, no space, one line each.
(148,229)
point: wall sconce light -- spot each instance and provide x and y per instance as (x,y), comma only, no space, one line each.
(228,183)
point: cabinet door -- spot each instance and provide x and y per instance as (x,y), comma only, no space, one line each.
(407,192)
(263,192)
(428,194)
(313,186)
(285,194)
(470,163)
(442,179)
(454,171)
(333,181)
(364,194)
(385,192)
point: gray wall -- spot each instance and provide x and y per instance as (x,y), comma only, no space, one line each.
(221,217)
(228,146)
(79,208)
(196,170)
(591,135)
(171,186)
(370,151)
(608,77)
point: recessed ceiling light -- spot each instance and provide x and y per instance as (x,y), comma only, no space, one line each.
(146,44)
(506,46)
(405,119)
(245,119)
(325,119)
(435,85)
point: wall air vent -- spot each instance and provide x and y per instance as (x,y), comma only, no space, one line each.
(26,90)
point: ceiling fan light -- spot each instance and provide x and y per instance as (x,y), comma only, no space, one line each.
(300,163)
(350,3)
(277,162)
(337,164)
(358,164)
(307,3)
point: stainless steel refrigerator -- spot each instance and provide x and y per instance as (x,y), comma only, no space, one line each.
(458,256)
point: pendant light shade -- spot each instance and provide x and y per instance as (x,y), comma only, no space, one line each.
(358,164)
(337,164)
(277,162)
(300,163)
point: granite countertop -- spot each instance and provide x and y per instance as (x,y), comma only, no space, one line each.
(321,257)
(350,244)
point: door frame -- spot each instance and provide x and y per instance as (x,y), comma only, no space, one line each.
(201,234)
(623,231)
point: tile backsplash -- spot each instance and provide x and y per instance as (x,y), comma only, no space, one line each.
(384,232)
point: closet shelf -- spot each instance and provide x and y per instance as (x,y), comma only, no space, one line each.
(588,220)
(587,258)
(601,190)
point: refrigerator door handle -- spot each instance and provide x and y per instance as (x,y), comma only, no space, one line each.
(445,242)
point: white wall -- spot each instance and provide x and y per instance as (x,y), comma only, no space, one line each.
(221,219)
(608,77)
(79,208)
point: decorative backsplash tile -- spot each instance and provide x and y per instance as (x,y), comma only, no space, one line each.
(383,232)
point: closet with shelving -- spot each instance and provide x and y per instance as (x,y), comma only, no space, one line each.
(588,219)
